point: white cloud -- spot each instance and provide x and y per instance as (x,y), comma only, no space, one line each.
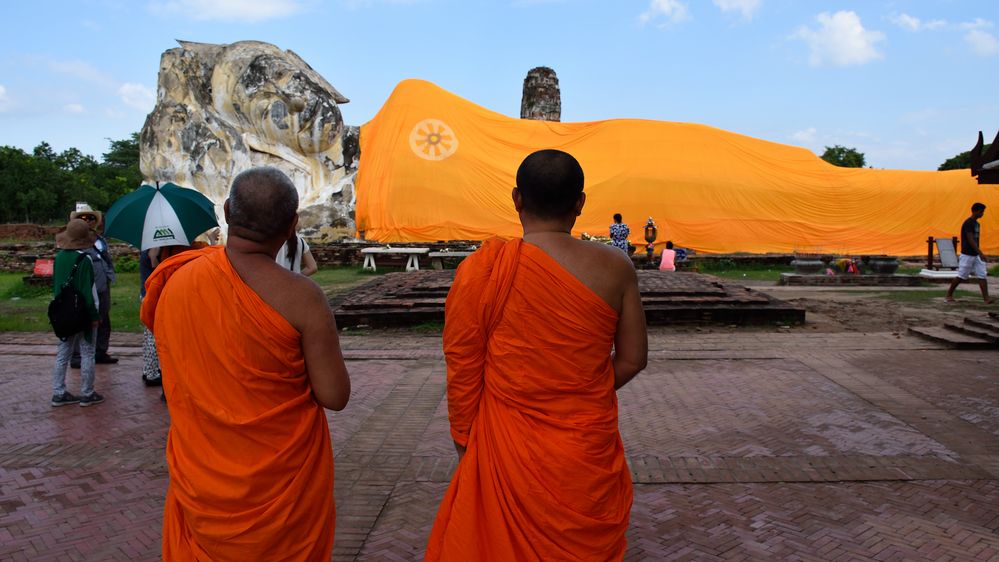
(979,23)
(912,23)
(673,11)
(137,96)
(746,7)
(4,100)
(82,70)
(805,135)
(982,42)
(840,40)
(73,109)
(249,11)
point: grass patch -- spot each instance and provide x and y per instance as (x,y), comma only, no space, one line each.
(339,280)
(428,328)
(23,308)
(343,275)
(909,297)
(730,270)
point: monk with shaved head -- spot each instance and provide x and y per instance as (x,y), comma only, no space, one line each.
(539,334)
(250,359)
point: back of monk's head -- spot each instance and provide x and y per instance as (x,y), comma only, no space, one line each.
(262,204)
(550,182)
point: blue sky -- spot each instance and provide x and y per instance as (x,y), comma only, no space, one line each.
(909,83)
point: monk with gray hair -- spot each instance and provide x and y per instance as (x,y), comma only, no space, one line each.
(250,359)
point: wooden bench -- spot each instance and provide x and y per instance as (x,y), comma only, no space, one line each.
(947,250)
(437,258)
(412,263)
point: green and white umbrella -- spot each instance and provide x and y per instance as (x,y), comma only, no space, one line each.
(165,215)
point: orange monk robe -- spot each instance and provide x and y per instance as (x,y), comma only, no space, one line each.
(251,465)
(530,391)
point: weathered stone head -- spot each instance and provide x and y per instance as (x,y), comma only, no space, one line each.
(278,96)
(222,109)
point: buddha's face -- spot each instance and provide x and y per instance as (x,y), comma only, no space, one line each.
(279,100)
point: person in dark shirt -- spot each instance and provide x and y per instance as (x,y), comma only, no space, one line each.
(75,240)
(972,261)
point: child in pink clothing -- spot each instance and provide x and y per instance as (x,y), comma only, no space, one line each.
(669,256)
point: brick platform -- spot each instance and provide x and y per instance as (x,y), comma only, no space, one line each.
(406,299)
(744,445)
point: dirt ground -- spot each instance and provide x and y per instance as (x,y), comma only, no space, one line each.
(867,309)
(28,232)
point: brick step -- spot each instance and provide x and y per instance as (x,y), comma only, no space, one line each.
(974,331)
(951,338)
(983,323)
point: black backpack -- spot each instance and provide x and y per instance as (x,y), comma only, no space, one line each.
(68,310)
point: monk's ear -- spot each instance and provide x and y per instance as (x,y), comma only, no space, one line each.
(518,199)
(225,211)
(579,204)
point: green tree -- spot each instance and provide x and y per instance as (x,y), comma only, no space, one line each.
(120,170)
(43,186)
(844,157)
(30,184)
(124,154)
(961,161)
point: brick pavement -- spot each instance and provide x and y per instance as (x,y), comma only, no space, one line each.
(744,445)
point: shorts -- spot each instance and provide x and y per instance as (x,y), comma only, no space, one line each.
(971,265)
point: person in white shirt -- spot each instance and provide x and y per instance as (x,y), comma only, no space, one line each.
(295,256)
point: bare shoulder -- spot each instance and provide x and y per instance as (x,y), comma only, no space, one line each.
(295,297)
(304,296)
(613,259)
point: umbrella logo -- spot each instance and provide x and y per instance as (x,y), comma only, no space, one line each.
(432,139)
(163,233)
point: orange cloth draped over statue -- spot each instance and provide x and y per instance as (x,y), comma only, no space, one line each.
(435,166)
(249,453)
(530,390)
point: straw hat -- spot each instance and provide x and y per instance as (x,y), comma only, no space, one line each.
(77,236)
(84,209)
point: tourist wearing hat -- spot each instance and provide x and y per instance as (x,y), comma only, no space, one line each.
(104,277)
(77,239)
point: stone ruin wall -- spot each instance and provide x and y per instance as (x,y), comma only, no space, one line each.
(222,109)
(225,108)
(542,99)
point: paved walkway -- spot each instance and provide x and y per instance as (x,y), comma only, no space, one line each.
(745,445)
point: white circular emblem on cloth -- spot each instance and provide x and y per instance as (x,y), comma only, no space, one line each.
(432,139)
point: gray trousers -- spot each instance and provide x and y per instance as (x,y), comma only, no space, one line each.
(87,369)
